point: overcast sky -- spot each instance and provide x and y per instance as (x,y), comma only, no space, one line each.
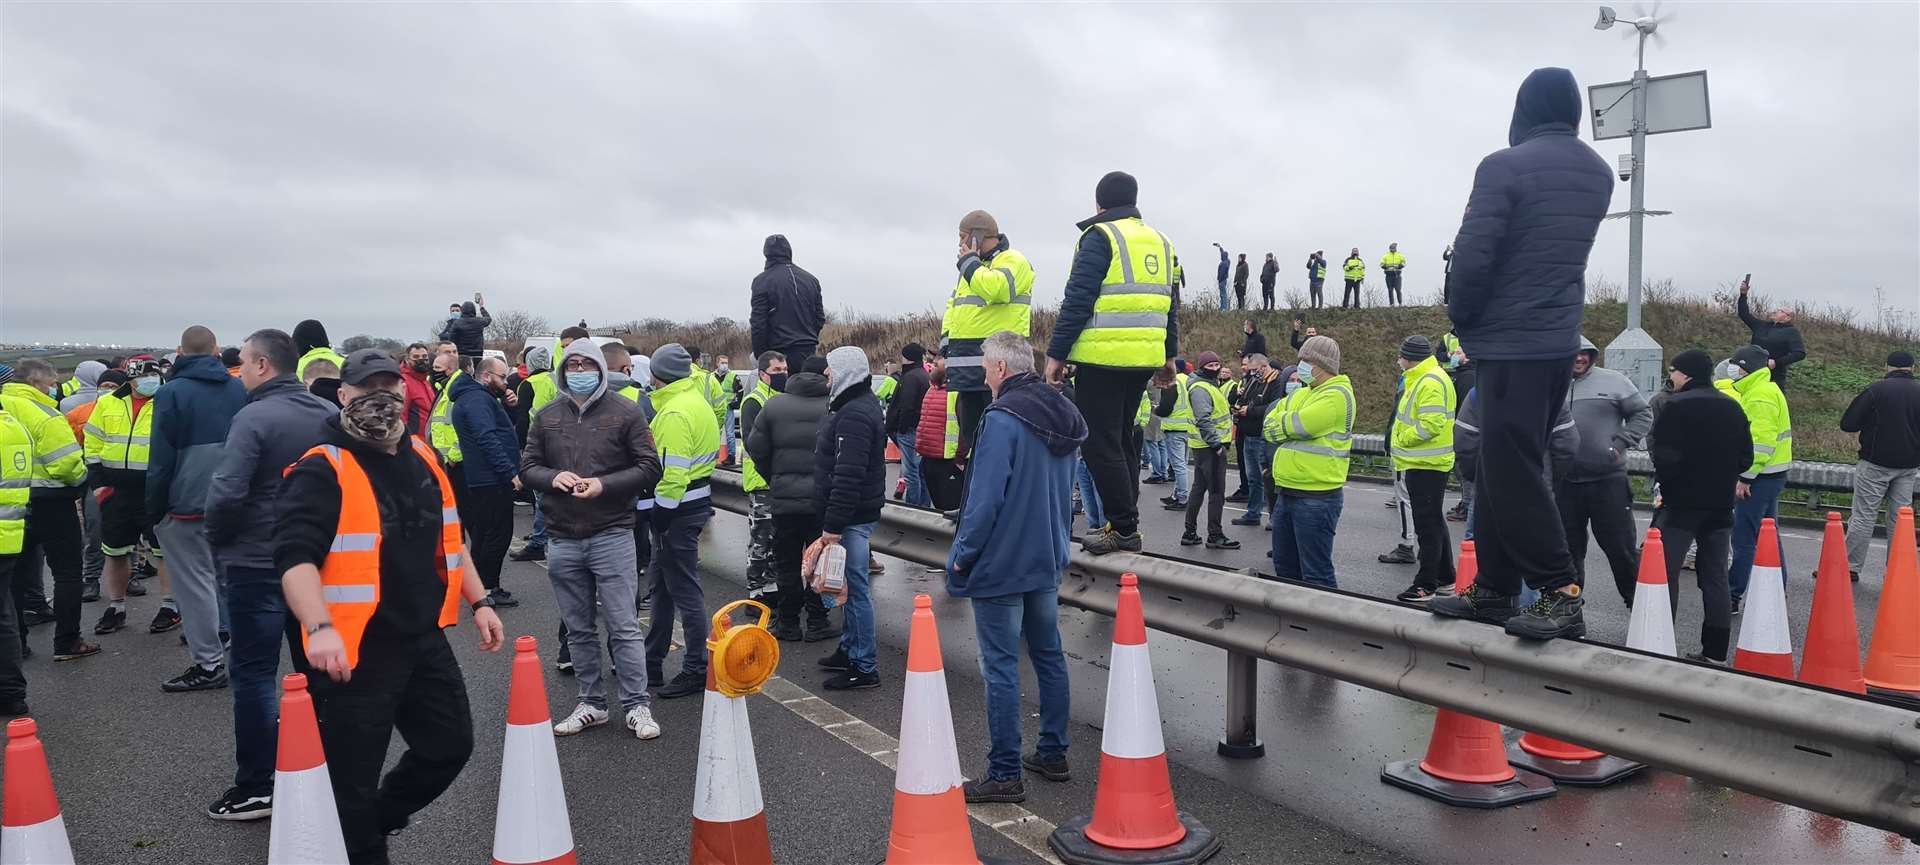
(251,165)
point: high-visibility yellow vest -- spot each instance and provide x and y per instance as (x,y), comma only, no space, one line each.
(713,391)
(687,436)
(1181,420)
(883,386)
(1393,262)
(1768,421)
(1128,329)
(114,437)
(317,353)
(1422,431)
(950,439)
(69,387)
(440,424)
(996,296)
(750,479)
(16,480)
(1145,413)
(1320,270)
(1356,269)
(631,392)
(1312,434)
(1219,416)
(58,460)
(545,389)
(1451,343)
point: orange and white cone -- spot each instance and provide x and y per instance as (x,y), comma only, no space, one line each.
(530,824)
(729,819)
(1766,646)
(929,808)
(1468,569)
(1893,656)
(1467,766)
(1134,819)
(306,823)
(1831,658)
(1650,629)
(31,832)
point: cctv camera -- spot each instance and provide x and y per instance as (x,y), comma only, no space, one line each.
(1626,167)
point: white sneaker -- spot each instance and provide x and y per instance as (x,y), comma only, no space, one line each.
(640,721)
(583,716)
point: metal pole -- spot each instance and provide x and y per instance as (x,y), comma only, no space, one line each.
(1637,203)
(1242,741)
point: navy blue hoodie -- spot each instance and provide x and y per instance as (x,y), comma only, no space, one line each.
(1520,261)
(1013,535)
(489,450)
(192,413)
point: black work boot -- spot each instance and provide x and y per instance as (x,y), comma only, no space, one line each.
(1479,603)
(995,790)
(1401,555)
(1107,540)
(1556,614)
(1221,542)
(786,626)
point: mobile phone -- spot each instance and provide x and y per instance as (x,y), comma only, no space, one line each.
(476,297)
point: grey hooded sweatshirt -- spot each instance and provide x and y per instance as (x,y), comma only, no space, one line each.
(600,436)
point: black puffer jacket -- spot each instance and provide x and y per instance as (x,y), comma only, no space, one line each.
(787,310)
(468,333)
(782,442)
(1700,446)
(849,461)
(1887,417)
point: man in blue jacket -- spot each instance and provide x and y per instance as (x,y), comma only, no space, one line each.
(191,416)
(489,470)
(1518,287)
(1008,552)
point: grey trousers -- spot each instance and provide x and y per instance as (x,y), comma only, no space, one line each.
(199,586)
(601,568)
(1874,484)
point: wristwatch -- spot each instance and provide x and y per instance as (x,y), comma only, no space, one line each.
(317,627)
(483,602)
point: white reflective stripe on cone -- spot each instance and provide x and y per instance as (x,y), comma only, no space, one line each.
(306,824)
(1763,627)
(929,762)
(726,784)
(1132,725)
(1650,628)
(530,823)
(43,843)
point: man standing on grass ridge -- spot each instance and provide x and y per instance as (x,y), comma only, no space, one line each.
(1887,417)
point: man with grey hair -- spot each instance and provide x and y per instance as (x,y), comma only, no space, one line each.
(489,471)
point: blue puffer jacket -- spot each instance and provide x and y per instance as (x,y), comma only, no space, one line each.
(191,416)
(1520,260)
(1013,531)
(849,460)
(489,451)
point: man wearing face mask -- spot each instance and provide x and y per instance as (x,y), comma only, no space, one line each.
(772,379)
(440,432)
(417,372)
(687,435)
(1757,493)
(1212,422)
(535,392)
(467,328)
(1311,433)
(117,438)
(374,569)
(619,364)
(489,470)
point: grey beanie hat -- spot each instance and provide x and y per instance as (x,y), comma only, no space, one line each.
(1416,347)
(849,366)
(1322,352)
(671,363)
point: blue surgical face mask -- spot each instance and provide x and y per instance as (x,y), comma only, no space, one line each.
(146,385)
(453,314)
(1291,387)
(1306,372)
(583,383)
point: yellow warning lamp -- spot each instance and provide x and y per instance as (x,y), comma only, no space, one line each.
(742,657)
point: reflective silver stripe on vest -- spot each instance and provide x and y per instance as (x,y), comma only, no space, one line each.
(970,300)
(1423,452)
(12,513)
(449,516)
(1136,288)
(94,431)
(138,440)
(453,561)
(692,495)
(1299,428)
(1126,319)
(15,484)
(1784,436)
(1763,449)
(966,360)
(349,594)
(61,453)
(671,461)
(1316,450)
(353,543)
(1119,249)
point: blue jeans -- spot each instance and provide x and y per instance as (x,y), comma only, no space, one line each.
(1000,624)
(538,541)
(1156,457)
(1764,502)
(1223,294)
(727,432)
(1176,445)
(1089,497)
(260,622)
(1258,454)
(1303,537)
(856,638)
(910,469)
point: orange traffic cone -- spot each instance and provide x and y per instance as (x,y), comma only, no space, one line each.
(530,825)
(929,809)
(306,824)
(1134,819)
(1467,570)
(1766,646)
(31,832)
(1893,656)
(1466,765)
(893,451)
(1650,629)
(729,819)
(1832,655)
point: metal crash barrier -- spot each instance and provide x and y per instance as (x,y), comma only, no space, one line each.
(1828,752)
(1826,477)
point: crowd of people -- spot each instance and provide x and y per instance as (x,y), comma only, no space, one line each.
(352,505)
(1353,271)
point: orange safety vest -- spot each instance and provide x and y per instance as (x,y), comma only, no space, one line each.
(350,577)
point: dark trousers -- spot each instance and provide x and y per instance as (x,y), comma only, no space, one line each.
(1517,532)
(407,684)
(791,535)
(1350,294)
(1426,498)
(1210,486)
(258,610)
(1109,399)
(1608,505)
(1713,531)
(1240,296)
(1240,456)
(675,578)
(944,484)
(1266,297)
(13,682)
(53,530)
(797,353)
(1316,292)
(1393,288)
(969,408)
(487,515)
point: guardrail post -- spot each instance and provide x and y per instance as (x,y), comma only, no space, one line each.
(1242,741)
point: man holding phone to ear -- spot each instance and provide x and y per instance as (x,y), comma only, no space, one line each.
(994,293)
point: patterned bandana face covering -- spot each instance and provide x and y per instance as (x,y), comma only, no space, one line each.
(376,418)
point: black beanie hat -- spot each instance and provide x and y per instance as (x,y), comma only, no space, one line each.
(230,357)
(913,352)
(1696,363)
(309,335)
(814,364)
(1117,189)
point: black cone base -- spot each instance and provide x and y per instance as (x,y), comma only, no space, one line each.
(1069,842)
(1579,773)
(1524,787)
